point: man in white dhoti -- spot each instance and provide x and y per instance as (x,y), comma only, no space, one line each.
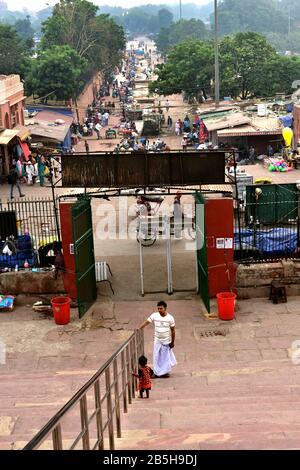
(164,340)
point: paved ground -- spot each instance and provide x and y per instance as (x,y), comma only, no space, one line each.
(237,391)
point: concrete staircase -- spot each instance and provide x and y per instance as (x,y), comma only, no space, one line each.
(240,391)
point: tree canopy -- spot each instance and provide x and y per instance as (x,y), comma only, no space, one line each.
(13,51)
(241,59)
(260,16)
(56,72)
(249,66)
(189,69)
(96,38)
(179,32)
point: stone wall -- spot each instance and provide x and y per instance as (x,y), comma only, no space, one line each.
(254,280)
(23,282)
(87,96)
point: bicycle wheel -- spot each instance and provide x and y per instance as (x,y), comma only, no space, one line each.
(191,232)
(146,239)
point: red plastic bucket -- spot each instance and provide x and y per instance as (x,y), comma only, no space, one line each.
(226,301)
(61,310)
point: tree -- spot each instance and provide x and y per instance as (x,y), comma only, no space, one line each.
(75,23)
(261,16)
(12,50)
(165,18)
(189,69)
(56,73)
(179,32)
(241,60)
(277,75)
(24,28)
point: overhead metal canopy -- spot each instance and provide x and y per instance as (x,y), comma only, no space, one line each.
(111,170)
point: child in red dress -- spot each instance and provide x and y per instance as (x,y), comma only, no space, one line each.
(144,375)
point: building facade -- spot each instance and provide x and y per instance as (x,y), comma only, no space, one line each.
(12,101)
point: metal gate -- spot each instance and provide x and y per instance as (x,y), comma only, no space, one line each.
(84,254)
(202,264)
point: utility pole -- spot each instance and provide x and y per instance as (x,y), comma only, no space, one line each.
(217,74)
(180,10)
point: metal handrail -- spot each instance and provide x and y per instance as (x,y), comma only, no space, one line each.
(128,354)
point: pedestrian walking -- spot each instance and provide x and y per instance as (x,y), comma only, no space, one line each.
(98,128)
(167,106)
(13,180)
(177,128)
(184,144)
(42,171)
(164,340)
(87,148)
(169,122)
(144,375)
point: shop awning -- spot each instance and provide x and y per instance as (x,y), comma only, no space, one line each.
(7,135)
(250,133)
(25,150)
(23,133)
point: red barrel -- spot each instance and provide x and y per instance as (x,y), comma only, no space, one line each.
(61,310)
(226,301)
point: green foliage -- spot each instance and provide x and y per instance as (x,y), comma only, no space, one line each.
(189,69)
(24,28)
(249,66)
(179,32)
(261,16)
(165,18)
(13,51)
(241,59)
(56,72)
(277,75)
(96,38)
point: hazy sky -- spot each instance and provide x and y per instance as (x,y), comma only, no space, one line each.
(35,5)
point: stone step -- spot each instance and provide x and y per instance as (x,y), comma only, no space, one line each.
(279,400)
(177,439)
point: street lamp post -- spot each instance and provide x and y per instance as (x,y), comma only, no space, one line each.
(217,77)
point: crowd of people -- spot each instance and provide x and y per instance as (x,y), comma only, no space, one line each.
(39,168)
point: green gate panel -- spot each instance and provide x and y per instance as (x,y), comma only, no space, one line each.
(202,263)
(84,255)
(276,204)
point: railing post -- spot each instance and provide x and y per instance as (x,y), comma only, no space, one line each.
(133,367)
(117,400)
(129,375)
(57,438)
(109,410)
(124,387)
(84,423)
(99,415)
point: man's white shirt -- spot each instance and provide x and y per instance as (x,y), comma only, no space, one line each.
(162,327)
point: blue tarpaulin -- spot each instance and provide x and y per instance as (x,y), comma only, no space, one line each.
(277,241)
(287,121)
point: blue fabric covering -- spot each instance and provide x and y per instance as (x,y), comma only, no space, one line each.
(287,121)
(64,111)
(277,241)
(67,143)
(25,252)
